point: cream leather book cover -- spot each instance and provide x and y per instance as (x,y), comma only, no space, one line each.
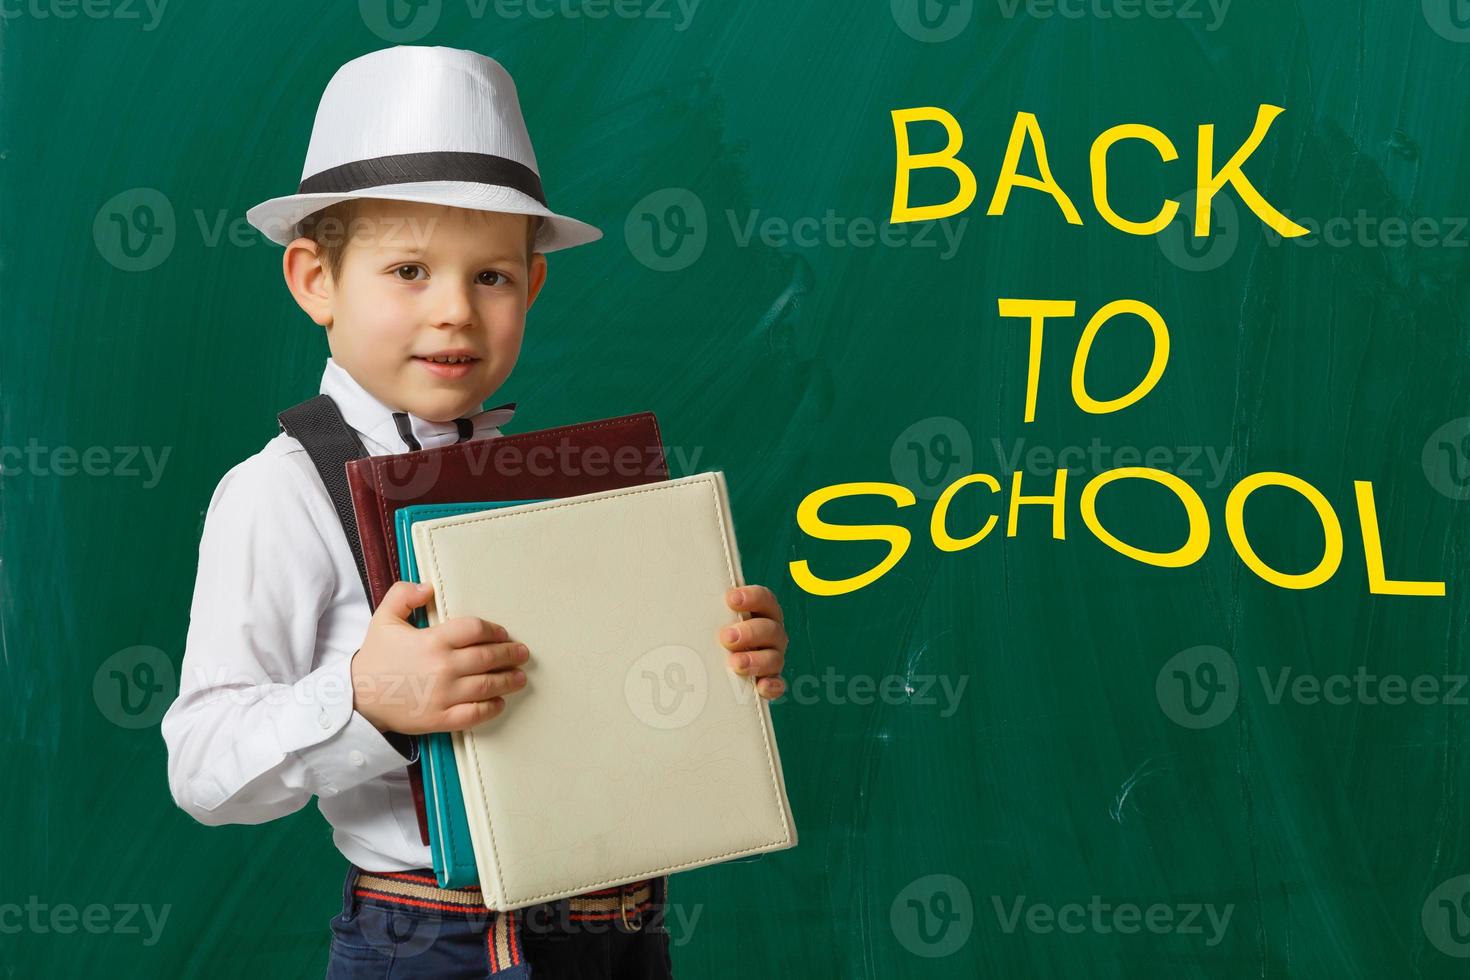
(633,751)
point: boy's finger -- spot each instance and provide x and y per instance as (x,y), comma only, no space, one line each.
(756,600)
(402,599)
(464,631)
(751,633)
(770,687)
(485,657)
(470,713)
(757,663)
(483,687)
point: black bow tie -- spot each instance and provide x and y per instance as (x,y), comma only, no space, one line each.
(418,433)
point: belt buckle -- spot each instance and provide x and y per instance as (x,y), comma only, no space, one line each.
(625,892)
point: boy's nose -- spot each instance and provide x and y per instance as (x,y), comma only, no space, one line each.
(451,305)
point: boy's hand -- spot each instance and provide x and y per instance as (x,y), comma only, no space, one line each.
(757,645)
(441,679)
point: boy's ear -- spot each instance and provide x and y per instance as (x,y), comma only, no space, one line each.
(535,277)
(308,280)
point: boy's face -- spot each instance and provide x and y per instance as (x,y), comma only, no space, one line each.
(419,281)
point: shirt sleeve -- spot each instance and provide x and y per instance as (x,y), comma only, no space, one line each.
(264,720)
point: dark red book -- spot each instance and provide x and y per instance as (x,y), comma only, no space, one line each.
(562,462)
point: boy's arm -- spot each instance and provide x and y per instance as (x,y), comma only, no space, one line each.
(262,723)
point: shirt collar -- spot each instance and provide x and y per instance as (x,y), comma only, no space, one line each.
(383,434)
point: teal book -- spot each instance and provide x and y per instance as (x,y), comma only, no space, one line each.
(449,832)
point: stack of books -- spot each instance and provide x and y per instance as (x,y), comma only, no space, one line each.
(633,751)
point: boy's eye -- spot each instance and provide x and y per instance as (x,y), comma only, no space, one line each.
(412,269)
(494,279)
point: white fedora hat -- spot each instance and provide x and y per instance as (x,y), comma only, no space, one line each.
(429,124)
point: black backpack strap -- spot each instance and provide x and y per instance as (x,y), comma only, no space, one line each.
(318,425)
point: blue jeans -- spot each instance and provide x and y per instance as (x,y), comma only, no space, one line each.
(381,936)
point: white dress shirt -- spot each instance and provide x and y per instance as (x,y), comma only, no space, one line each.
(264,719)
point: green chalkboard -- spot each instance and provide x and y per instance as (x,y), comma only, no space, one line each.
(1035,757)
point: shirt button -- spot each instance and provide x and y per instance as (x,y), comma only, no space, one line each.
(357,758)
(324,720)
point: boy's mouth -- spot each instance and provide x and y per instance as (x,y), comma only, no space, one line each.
(448,364)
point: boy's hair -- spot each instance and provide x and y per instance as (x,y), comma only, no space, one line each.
(331,230)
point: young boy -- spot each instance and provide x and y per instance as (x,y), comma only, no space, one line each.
(417,241)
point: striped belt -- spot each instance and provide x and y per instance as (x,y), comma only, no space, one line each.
(625,903)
